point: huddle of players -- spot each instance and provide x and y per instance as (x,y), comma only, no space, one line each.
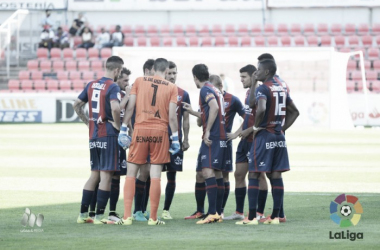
(264,122)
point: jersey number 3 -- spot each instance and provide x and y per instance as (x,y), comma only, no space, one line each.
(280,103)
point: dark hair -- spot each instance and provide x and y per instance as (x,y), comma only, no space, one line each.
(269,65)
(148,65)
(161,64)
(200,71)
(265,56)
(59,28)
(250,69)
(114,62)
(125,71)
(172,65)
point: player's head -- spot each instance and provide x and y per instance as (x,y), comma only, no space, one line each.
(246,75)
(217,82)
(265,56)
(48,13)
(114,64)
(117,28)
(161,65)
(148,67)
(123,80)
(200,74)
(266,69)
(171,74)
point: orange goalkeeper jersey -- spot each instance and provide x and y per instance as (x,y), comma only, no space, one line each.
(153,95)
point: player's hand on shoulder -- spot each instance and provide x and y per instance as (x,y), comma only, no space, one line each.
(174,146)
(185,145)
(206,139)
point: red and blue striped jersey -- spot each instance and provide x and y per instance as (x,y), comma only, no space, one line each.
(208,93)
(99,94)
(232,105)
(249,117)
(277,98)
(183,96)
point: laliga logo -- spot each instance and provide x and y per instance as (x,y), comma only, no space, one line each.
(31,219)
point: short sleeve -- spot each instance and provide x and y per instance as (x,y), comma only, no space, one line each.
(173,94)
(238,107)
(135,87)
(288,99)
(261,93)
(114,92)
(83,96)
(186,97)
(207,95)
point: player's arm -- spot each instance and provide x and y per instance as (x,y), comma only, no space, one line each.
(252,96)
(189,109)
(186,130)
(213,113)
(115,108)
(199,122)
(125,99)
(233,136)
(291,115)
(79,109)
(125,140)
(173,123)
(260,113)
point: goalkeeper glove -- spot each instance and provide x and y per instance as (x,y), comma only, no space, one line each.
(124,139)
(174,147)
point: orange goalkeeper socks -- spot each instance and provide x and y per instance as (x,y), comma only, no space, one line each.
(155,195)
(129,193)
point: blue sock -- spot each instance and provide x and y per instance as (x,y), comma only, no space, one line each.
(170,189)
(219,195)
(226,194)
(240,194)
(253,195)
(200,195)
(262,200)
(103,197)
(282,214)
(139,194)
(93,200)
(212,190)
(114,195)
(278,195)
(146,195)
(86,200)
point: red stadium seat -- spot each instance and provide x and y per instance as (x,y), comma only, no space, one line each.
(339,41)
(99,74)
(75,75)
(71,65)
(336,29)
(62,75)
(32,65)
(78,85)
(246,41)
(351,66)
(243,30)
(376,64)
(282,29)
(356,75)
(77,41)
(206,42)
(88,75)
(193,41)
(81,54)
(155,42)
(167,42)
(152,30)
(371,75)
(373,53)
(46,65)
(375,29)
(326,41)
(322,29)
(268,29)
(295,29)
(96,65)
(42,53)
(68,53)
(39,85)
(181,41)
(165,30)
(99,28)
(14,84)
(312,41)
(256,29)
(139,30)
(375,86)
(377,40)
(26,85)
(220,41)
(55,54)
(24,75)
(178,30)
(360,49)
(299,41)
(129,41)
(58,65)
(83,65)
(36,75)
(308,29)
(111,28)
(367,65)
(141,41)
(65,85)
(350,29)
(259,41)
(350,85)
(233,41)
(272,41)
(286,41)
(363,29)
(353,41)
(52,85)
(204,30)
(127,30)
(367,41)
(105,53)
(345,50)
(93,53)
(229,30)
(216,30)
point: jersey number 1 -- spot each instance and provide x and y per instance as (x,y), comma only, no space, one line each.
(155,87)
(280,104)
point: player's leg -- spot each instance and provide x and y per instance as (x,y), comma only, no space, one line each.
(263,193)
(114,198)
(146,197)
(169,193)
(155,193)
(103,196)
(226,190)
(91,213)
(141,181)
(129,192)
(220,191)
(281,214)
(87,194)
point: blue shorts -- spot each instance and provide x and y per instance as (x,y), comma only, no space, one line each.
(268,153)
(122,162)
(242,152)
(212,157)
(175,163)
(104,154)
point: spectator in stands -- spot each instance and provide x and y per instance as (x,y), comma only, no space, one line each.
(78,24)
(47,36)
(102,39)
(61,39)
(117,38)
(47,21)
(87,39)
